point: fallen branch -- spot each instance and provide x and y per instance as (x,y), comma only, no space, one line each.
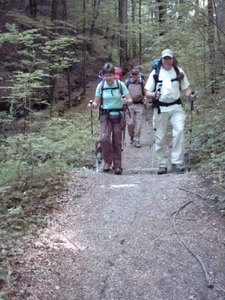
(183,189)
(220,288)
(196,256)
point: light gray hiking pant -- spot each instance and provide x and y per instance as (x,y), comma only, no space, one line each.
(177,118)
(134,121)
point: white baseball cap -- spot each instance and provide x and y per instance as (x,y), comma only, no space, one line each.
(167,52)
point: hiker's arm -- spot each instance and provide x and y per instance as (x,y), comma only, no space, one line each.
(189,93)
(150,95)
(94,104)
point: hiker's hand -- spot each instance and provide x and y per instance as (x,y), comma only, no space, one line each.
(126,100)
(123,99)
(192,96)
(157,95)
(144,101)
(91,104)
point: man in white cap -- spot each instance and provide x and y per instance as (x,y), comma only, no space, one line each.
(163,86)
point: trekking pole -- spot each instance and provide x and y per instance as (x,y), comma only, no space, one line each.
(122,142)
(92,133)
(154,130)
(190,131)
(153,150)
(125,107)
(123,133)
(147,122)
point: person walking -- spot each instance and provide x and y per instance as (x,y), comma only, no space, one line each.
(111,95)
(134,116)
(164,86)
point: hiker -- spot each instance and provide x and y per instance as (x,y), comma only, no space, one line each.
(110,96)
(134,116)
(164,86)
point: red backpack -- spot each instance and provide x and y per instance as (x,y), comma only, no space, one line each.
(118,73)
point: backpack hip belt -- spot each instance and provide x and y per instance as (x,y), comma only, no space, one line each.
(158,103)
(178,101)
(139,102)
(107,112)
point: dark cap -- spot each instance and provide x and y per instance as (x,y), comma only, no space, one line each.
(134,71)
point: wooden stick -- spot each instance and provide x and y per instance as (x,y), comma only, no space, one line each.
(183,189)
(210,285)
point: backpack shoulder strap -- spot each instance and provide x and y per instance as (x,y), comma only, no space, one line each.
(142,85)
(176,70)
(128,82)
(119,85)
(101,91)
(140,81)
(156,75)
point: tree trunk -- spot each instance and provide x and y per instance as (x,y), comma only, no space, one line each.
(123,27)
(84,47)
(54,79)
(33,8)
(133,35)
(211,40)
(140,35)
(220,21)
(96,4)
(162,16)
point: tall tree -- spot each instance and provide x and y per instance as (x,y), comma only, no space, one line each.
(96,5)
(162,16)
(133,31)
(123,29)
(54,80)
(84,47)
(33,8)
(220,22)
(211,41)
(140,34)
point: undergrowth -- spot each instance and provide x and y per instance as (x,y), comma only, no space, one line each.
(34,169)
(207,146)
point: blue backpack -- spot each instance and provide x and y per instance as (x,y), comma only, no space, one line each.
(154,64)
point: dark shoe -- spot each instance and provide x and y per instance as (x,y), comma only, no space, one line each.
(179,168)
(118,171)
(131,140)
(106,168)
(162,170)
(137,145)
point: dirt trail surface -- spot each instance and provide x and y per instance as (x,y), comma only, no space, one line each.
(136,236)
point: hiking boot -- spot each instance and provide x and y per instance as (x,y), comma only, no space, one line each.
(106,167)
(137,145)
(162,170)
(118,171)
(179,168)
(131,140)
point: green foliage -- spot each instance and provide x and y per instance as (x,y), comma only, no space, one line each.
(58,146)
(38,56)
(208,145)
(34,169)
